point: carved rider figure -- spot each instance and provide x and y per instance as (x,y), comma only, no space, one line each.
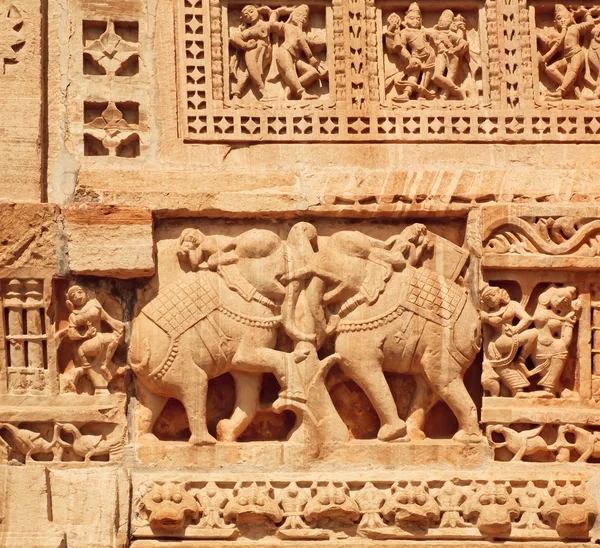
(502,359)
(566,49)
(95,349)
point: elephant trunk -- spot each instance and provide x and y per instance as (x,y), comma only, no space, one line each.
(288,314)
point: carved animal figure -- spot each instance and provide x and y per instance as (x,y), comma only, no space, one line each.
(223,317)
(587,444)
(88,446)
(520,444)
(391,314)
(31,443)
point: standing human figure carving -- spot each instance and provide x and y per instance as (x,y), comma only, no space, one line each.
(94,348)
(564,59)
(450,48)
(555,317)
(506,346)
(253,40)
(297,65)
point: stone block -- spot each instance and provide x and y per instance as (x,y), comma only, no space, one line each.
(109,240)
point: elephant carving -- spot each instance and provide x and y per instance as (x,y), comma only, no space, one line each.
(376,301)
(223,316)
(391,313)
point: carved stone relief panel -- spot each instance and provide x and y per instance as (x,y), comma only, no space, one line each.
(414,508)
(273,320)
(278,54)
(567,44)
(539,334)
(389,70)
(435,55)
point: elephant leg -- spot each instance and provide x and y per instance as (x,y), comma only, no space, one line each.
(192,391)
(459,400)
(148,409)
(420,405)
(369,376)
(247,399)
(261,359)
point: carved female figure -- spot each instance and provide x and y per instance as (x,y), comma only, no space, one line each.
(555,317)
(297,74)
(450,48)
(503,340)
(253,39)
(94,349)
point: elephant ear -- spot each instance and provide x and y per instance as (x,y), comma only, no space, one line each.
(378,273)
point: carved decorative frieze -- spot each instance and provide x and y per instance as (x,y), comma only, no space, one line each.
(540,510)
(366,71)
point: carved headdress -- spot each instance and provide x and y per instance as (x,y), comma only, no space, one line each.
(561,9)
(413,8)
(445,20)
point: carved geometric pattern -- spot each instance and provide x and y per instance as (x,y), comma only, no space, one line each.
(355,110)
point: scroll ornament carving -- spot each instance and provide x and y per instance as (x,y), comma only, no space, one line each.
(543,339)
(548,236)
(362,293)
(455,508)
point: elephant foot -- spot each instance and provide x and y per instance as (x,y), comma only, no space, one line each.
(416,434)
(147,439)
(462,436)
(202,439)
(389,432)
(226,431)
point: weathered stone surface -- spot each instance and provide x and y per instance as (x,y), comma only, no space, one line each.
(29,237)
(109,241)
(299,274)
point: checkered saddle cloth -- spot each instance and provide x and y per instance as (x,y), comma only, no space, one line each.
(182,304)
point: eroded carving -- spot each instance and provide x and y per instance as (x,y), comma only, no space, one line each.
(12,36)
(168,506)
(264,44)
(436,56)
(546,344)
(92,345)
(25,335)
